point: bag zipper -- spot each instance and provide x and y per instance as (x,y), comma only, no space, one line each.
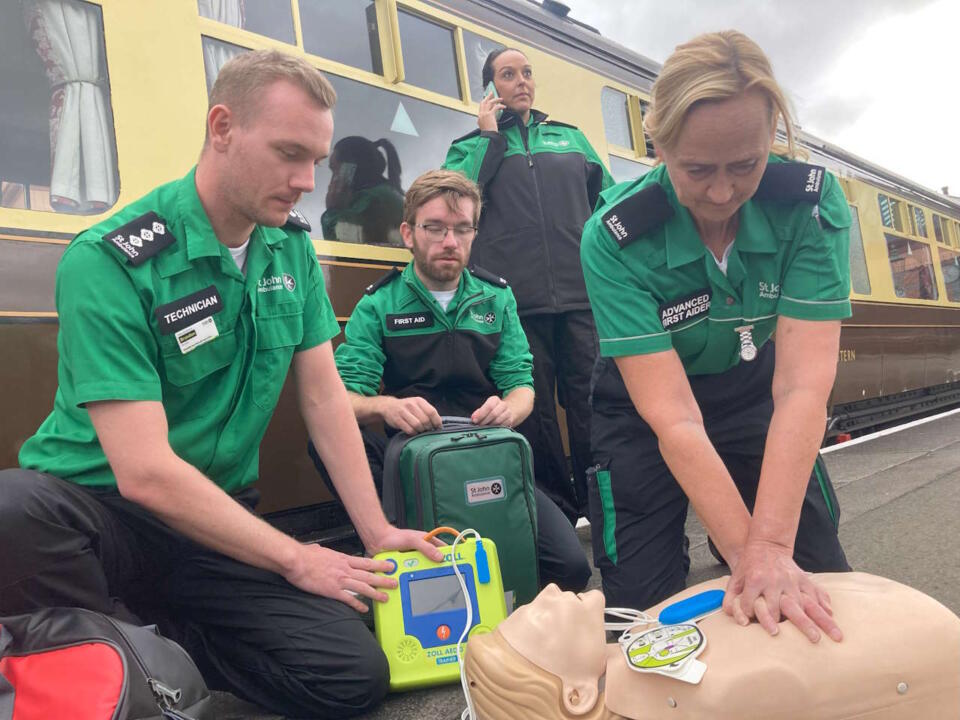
(165,696)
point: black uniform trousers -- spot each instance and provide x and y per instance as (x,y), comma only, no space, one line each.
(564,347)
(637,508)
(248,630)
(562,560)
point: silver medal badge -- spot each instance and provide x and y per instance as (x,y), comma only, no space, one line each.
(748,351)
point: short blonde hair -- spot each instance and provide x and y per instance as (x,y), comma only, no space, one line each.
(714,66)
(435,183)
(242,80)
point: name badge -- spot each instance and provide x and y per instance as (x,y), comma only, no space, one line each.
(688,307)
(189,310)
(196,335)
(410,321)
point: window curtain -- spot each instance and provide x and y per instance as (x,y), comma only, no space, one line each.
(67,35)
(215,54)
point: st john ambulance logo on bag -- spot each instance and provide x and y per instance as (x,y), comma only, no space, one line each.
(486,490)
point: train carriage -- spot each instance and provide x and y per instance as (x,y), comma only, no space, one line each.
(101,100)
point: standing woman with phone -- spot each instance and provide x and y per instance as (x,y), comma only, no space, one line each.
(540,180)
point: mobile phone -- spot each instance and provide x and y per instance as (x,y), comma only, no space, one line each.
(491,88)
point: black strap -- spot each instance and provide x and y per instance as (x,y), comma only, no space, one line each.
(391,274)
(392,496)
(483,274)
(298,220)
(7,693)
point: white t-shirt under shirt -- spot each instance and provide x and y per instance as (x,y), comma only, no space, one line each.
(240,255)
(722,262)
(444,297)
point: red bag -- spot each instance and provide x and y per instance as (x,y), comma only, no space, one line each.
(78,664)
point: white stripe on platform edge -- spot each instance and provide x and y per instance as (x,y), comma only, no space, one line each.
(888,431)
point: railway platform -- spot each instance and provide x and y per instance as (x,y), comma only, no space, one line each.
(899,494)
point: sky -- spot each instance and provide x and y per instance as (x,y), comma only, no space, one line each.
(879,78)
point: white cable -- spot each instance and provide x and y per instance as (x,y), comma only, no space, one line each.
(468,713)
(630,617)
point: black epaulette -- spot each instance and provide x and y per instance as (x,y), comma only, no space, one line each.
(492,278)
(791,182)
(371,289)
(638,214)
(142,238)
(557,123)
(297,220)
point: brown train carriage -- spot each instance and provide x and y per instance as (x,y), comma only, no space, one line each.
(900,352)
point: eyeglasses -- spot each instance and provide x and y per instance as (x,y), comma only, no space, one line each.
(436,232)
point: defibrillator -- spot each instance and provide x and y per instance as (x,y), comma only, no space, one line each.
(431,612)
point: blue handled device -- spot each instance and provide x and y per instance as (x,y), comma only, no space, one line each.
(691,607)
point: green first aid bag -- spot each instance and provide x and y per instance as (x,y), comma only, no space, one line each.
(468,476)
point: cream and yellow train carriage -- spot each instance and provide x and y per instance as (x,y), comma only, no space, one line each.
(100,100)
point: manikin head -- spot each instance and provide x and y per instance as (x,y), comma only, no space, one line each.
(553,648)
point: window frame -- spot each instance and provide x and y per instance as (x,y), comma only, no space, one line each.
(636,154)
(912,211)
(56,221)
(857,213)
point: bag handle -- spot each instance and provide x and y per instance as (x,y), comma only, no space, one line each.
(449,421)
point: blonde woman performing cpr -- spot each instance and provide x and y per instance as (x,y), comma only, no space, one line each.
(690,270)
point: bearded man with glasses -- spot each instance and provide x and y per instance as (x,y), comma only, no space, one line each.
(438,339)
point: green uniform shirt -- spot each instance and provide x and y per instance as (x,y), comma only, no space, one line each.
(455,359)
(654,286)
(125,315)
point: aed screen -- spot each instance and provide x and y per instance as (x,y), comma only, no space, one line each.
(436,594)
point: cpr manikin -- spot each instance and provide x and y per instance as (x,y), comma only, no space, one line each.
(900,658)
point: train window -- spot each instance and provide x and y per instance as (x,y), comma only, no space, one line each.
(382,142)
(215,54)
(623,169)
(342,30)
(476,48)
(956,234)
(429,54)
(937,231)
(264,17)
(57,144)
(890,212)
(616,117)
(918,221)
(859,277)
(912,269)
(950,267)
(648,143)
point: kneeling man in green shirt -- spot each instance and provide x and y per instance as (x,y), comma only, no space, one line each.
(179,318)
